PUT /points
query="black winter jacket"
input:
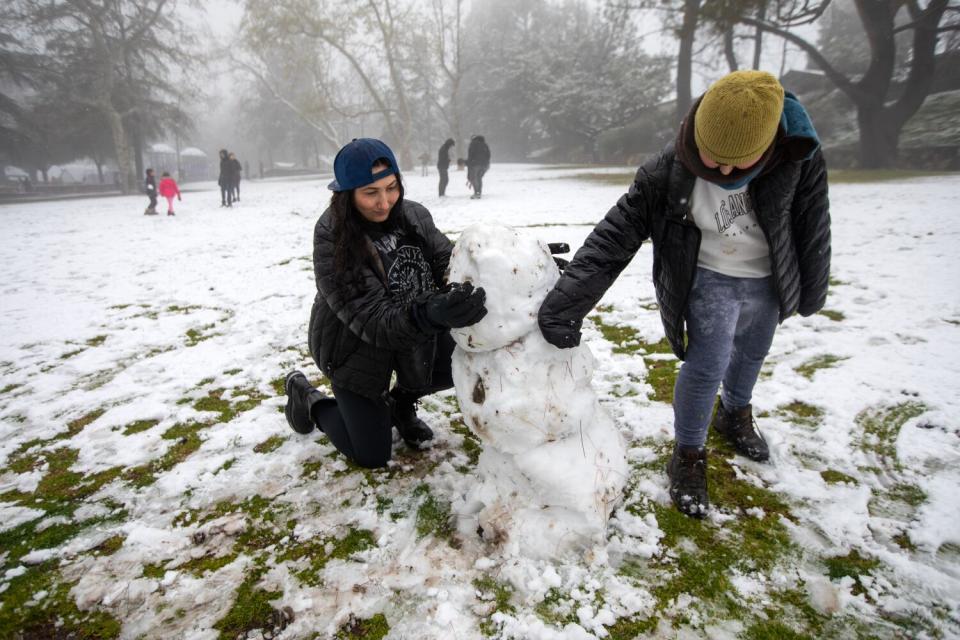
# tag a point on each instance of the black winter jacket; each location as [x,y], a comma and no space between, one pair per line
[360,335]
[791,204]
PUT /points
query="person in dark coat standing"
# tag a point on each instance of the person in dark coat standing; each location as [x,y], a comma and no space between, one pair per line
[738,213]
[235,170]
[478,161]
[381,308]
[226,179]
[443,165]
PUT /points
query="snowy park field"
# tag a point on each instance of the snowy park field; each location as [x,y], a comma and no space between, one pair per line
[151,488]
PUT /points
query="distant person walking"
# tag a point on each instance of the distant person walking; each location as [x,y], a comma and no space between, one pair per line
[443,165]
[478,161]
[150,186]
[225,180]
[236,169]
[169,190]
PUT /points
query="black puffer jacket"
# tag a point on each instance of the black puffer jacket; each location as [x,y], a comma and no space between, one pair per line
[360,335]
[791,204]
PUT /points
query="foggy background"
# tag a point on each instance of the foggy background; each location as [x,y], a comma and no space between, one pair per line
[92,92]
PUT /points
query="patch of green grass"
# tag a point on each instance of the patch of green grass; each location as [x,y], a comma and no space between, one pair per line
[76,426]
[489,589]
[206,564]
[55,615]
[187,441]
[154,570]
[70,354]
[139,426]
[215,402]
[624,179]
[251,609]
[811,366]
[853,565]
[174,308]
[661,372]
[197,335]
[626,338]
[770,630]
[699,555]
[472,446]
[226,465]
[832,476]
[109,546]
[836,316]
[10,387]
[850,176]
[632,628]
[556,609]
[908,494]
[96,341]
[881,425]
[270,444]
[373,628]
[434,517]
[801,413]
[904,542]
[310,468]
[232,372]
[319,551]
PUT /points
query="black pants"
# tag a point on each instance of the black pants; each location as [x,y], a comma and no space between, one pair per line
[477,179]
[444,179]
[153,200]
[361,428]
[226,196]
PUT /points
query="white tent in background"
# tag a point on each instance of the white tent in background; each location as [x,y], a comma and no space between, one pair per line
[194,164]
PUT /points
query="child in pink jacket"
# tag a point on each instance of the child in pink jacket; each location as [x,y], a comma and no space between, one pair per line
[168,189]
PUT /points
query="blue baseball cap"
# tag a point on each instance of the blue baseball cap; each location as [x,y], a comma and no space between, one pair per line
[353,165]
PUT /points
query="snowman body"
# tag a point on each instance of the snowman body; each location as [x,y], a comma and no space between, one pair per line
[553,463]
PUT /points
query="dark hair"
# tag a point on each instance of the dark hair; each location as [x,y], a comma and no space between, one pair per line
[349,239]
[148,170]
[165,174]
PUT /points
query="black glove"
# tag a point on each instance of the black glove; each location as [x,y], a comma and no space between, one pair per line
[456,305]
[561,332]
[559,247]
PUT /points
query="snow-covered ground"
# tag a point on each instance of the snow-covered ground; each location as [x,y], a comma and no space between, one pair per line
[150,485]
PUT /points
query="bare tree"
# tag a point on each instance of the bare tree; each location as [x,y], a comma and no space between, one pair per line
[879,117]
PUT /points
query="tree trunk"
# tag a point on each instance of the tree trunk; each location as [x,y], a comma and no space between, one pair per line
[122,147]
[879,137]
[758,37]
[688,30]
[728,49]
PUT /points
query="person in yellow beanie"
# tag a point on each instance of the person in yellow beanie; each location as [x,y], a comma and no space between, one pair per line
[737,210]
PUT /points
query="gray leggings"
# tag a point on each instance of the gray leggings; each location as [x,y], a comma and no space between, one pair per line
[730,327]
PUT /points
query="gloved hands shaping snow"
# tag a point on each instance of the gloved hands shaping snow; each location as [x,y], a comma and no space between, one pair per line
[456,305]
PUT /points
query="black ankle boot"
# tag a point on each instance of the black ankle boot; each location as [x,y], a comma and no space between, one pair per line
[687,471]
[301,397]
[739,429]
[403,411]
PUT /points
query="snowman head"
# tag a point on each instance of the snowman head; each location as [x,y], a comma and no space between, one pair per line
[516,270]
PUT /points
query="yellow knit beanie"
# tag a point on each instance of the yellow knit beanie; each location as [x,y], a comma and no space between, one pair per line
[738,116]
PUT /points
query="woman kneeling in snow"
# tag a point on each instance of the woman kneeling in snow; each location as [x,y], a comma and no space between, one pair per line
[381,307]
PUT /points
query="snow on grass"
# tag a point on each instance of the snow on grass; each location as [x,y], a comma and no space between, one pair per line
[150,487]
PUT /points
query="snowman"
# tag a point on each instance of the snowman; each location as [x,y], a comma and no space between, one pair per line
[553,463]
